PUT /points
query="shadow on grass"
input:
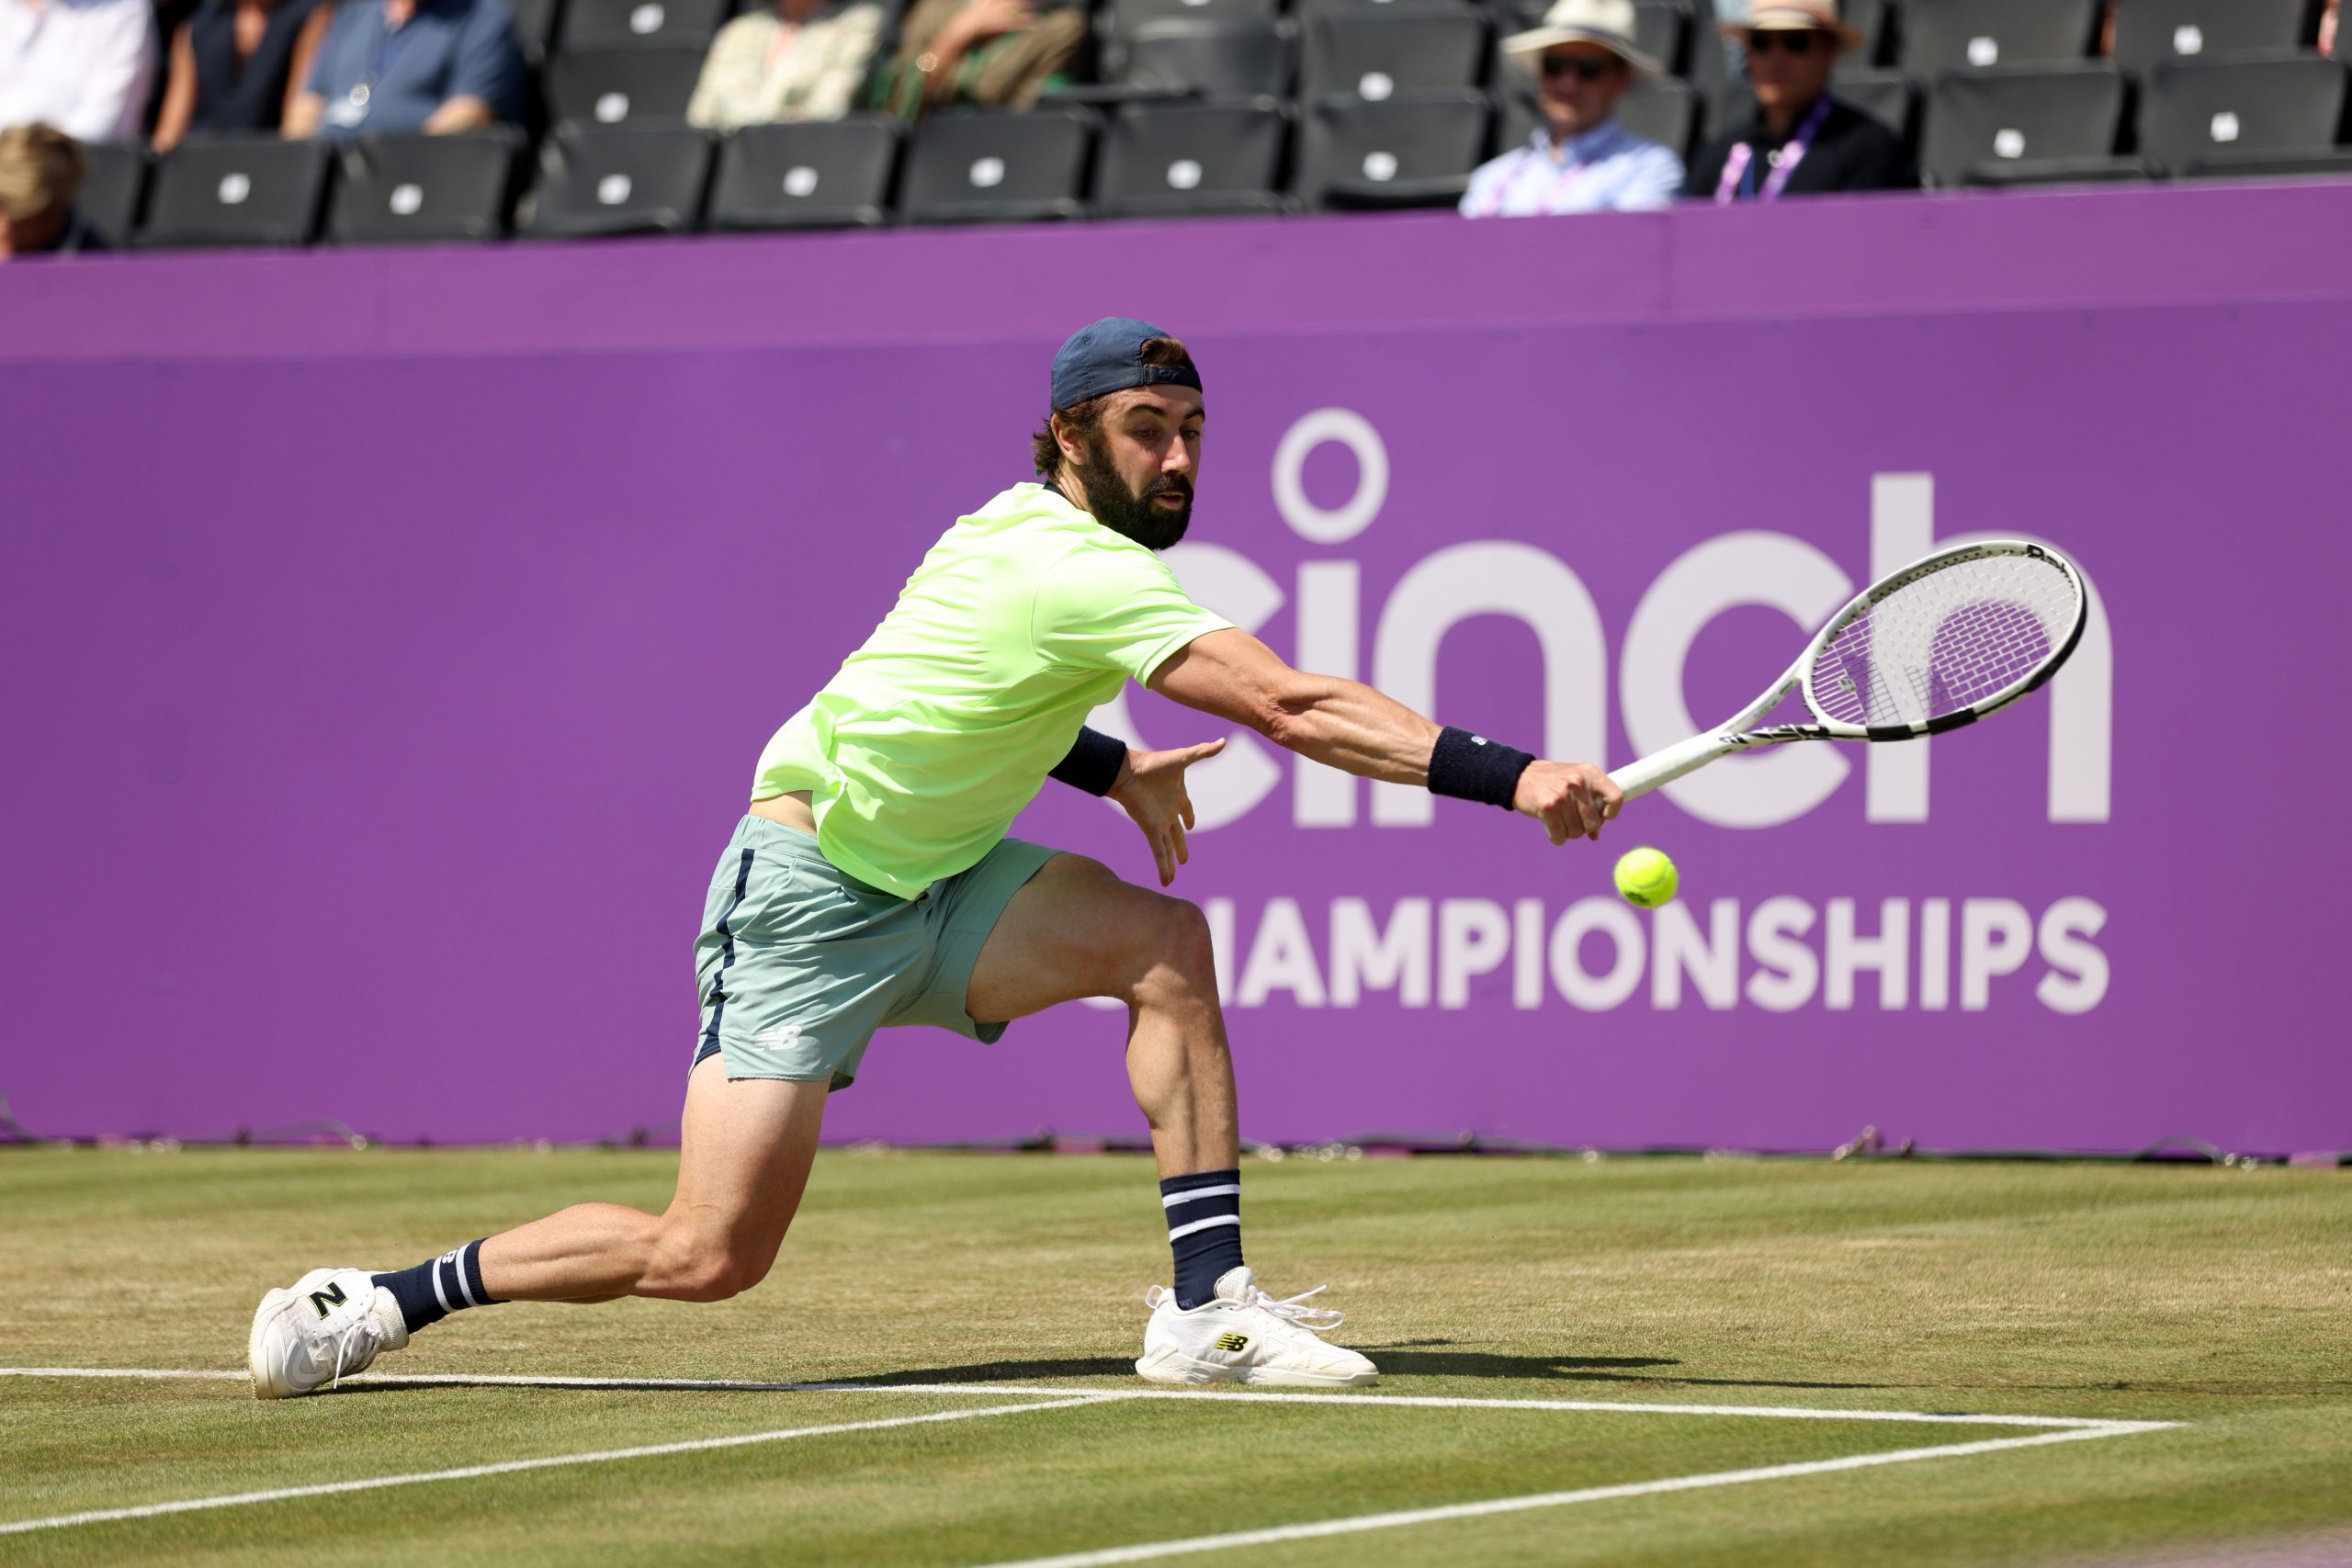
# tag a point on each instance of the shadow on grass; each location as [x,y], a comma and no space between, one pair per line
[1409,1359]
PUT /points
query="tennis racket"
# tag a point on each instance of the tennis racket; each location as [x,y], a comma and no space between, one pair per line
[1954,636]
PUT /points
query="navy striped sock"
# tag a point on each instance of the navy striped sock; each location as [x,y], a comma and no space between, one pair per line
[432,1291]
[1204,1229]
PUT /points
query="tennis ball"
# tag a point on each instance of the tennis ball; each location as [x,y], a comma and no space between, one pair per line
[1646,877]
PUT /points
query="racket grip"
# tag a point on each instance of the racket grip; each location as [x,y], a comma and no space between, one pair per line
[1638,778]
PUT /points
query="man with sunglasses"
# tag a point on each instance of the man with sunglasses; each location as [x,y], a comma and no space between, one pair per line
[1802,141]
[1579,159]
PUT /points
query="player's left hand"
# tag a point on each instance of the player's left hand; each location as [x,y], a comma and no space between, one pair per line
[1151,790]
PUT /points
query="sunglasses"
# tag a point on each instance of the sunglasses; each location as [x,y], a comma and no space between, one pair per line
[1581,69]
[1785,42]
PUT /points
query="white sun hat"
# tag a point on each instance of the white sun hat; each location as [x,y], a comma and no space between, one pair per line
[1608,23]
[1794,16]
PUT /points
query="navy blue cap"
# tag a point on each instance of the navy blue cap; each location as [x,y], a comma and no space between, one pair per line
[1107,356]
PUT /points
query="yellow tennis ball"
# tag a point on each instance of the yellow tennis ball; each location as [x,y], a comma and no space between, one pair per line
[1646,877]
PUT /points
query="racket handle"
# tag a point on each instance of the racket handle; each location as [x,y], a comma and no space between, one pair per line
[1639,778]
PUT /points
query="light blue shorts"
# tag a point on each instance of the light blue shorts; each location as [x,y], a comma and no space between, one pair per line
[799,962]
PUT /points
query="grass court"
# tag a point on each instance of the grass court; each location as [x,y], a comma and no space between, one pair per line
[1633,1361]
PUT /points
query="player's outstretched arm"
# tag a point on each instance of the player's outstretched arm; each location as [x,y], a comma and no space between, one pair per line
[1349,726]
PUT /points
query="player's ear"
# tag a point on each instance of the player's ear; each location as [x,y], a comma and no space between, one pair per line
[1073,450]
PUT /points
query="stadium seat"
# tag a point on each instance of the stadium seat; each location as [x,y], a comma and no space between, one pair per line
[979,166]
[1227,56]
[1415,46]
[390,189]
[1180,160]
[1665,111]
[243,190]
[2150,30]
[1887,96]
[815,174]
[108,200]
[1125,16]
[2017,117]
[619,179]
[2240,116]
[1950,35]
[613,86]
[534,22]
[597,24]
[1415,151]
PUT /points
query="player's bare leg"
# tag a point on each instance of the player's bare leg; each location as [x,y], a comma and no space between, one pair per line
[1077,931]
[746,1150]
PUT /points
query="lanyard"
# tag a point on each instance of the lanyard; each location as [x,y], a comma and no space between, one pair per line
[391,44]
[1740,164]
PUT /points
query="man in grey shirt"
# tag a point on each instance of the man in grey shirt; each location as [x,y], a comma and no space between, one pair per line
[440,66]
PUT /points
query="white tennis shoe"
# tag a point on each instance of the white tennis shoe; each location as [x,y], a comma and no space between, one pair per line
[334,1322]
[1243,1334]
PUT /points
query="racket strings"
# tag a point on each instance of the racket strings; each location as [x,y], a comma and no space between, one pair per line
[1943,642]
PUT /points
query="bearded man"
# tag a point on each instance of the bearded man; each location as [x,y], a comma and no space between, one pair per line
[871,884]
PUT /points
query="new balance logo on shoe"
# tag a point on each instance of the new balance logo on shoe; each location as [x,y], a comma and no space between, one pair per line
[326,1301]
[1237,1343]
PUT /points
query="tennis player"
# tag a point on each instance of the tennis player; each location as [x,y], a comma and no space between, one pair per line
[872,883]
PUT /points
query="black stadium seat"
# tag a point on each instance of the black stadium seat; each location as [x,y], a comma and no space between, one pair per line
[1225,56]
[108,200]
[980,167]
[1173,160]
[814,174]
[1126,15]
[2150,30]
[2017,123]
[244,190]
[1415,151]
[596,24]
[1415,46]
[2246,115]
[390,189]
[613,86]
[1887,96]
[535,23]
[621,179]
[1950,35]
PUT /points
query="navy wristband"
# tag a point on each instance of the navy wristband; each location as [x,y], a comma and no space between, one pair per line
[1093,763]
[1471,767]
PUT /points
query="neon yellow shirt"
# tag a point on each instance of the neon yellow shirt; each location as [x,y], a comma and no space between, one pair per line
[1023,616]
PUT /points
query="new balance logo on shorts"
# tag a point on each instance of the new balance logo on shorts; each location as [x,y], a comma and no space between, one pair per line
[1236,1343]
[326,1301]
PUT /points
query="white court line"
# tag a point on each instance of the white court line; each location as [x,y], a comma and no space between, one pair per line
[2067,1428]
[1422,1402]
[1360,1522]
[468,1473]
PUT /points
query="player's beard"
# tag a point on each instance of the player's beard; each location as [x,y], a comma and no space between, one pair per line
[1122,510]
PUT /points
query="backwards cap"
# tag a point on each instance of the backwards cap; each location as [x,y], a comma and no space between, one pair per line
[1107,356]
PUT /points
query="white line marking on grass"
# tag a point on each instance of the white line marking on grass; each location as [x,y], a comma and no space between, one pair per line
[1361,1522]
[1411,1401]
[468,1473]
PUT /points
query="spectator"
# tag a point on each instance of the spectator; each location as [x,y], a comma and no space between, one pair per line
[239,65]
[41,168]
[984,53]
[1802,141]
[1579,159]
[440,66]
[2329,20]
[795,60]
[82,67]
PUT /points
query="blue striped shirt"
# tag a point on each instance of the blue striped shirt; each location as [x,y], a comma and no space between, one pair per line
[1608,169]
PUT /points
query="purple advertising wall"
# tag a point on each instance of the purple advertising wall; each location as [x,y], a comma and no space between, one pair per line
[390,637]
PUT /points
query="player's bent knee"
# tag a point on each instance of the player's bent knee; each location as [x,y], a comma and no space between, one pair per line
[1179,960]
[708,1269]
